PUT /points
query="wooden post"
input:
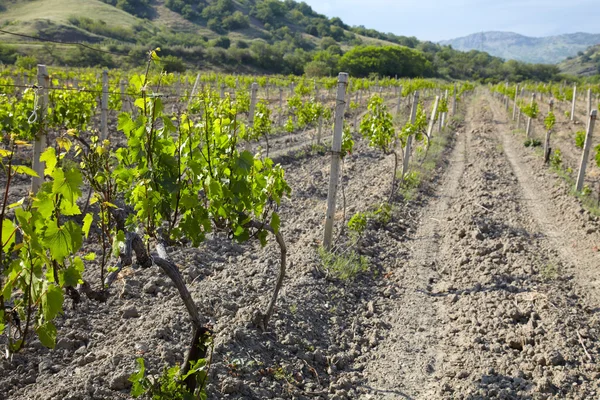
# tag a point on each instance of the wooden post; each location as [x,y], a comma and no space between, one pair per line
[320,128]
[253,91]
[443,124]
[407,149]
[336,148]
[104,109]
[432,120]
[194,88]
[548,133]
[529,121]
[453,102]
[515,102]
[356,113]
[586,149]
[222,91]
[40,141]
[573,103]
[122,87]
[589,101]
[399,100]
[281,107]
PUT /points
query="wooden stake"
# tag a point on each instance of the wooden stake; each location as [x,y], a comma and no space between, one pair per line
[336,148]
[573,103]
[104,109]
[320,128]
[586,150]
[548,133]
[515,105]
[432,120]
[529,122]
[253,91]
[122,86]
[453,102]
[443,122]
[40,141]
[194,88]
[407,149]
[399,100]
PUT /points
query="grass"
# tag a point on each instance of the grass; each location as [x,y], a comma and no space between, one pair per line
[344,265]
[421,168]
[549,272]
[586,198]
[59,12]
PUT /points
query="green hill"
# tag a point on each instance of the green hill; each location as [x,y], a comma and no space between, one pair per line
[264,36]
[512,46]
[586,63]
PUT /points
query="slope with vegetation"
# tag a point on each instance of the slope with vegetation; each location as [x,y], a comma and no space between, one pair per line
[512,46]
[586,63]
[268,36]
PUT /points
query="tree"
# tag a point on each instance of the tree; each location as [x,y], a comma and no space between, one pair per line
[8,54]
[172,64]
[386,61]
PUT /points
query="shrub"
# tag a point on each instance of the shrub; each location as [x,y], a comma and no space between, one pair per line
[345,265]
[172,64]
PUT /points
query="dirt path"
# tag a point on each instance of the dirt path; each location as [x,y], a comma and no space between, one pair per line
[490,309]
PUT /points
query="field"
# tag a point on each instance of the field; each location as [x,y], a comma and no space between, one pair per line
[471,276]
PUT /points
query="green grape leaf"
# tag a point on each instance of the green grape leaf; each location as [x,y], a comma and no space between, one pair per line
[57,240]
[67,182]
[49,157]
[21,169]
[52,302]
[47,334]
[72,276]
[275,222]
[246,161]
[137,389]
[87,223]
[8,234]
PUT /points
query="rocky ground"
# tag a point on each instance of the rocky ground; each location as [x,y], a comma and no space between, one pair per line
[480,286]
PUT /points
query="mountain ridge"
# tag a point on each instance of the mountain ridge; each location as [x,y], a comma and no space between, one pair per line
[514,46]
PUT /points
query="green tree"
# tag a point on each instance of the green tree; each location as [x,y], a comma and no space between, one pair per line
[386,61]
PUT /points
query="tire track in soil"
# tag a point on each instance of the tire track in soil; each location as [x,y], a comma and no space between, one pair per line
[484,314]
[414,356]
[569,239]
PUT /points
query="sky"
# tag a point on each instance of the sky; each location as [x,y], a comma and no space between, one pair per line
[447,19]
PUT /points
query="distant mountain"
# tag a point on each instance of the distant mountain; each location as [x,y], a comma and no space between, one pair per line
[586,63]
[512,46]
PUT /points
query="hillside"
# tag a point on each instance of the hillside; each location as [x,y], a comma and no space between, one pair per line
[512,46]
[264,36]
[586,63]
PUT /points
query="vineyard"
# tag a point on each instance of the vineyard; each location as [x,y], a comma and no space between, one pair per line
[175,236]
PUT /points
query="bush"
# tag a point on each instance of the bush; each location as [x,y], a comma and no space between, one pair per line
[172,64]
[222,42]
[236,21]
[8,54]
[316,69]
[27,62]
[386,61]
